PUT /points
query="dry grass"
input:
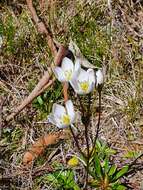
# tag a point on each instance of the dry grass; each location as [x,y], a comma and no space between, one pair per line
[109,33]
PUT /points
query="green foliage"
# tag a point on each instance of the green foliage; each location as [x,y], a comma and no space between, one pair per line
[132,154]
[88,31]
[12,135]
[100,42]
[11,140]
[45,101]
[9,31]
[60,180]
[105,173]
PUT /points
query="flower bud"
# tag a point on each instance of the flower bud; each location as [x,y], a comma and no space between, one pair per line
[99,78]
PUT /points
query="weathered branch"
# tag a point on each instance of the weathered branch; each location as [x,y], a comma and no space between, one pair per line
[41,27]
[46,80]
[44,83]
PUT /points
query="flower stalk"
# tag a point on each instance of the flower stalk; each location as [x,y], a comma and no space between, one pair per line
[98,124]
[83,82]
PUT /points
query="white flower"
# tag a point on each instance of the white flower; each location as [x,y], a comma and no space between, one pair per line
[62,116]
[99,77]
[84,83]
[67,71]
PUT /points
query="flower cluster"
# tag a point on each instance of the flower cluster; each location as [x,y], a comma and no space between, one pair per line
[82,81]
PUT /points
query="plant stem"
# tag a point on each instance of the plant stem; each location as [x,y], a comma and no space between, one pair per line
[76,142]
[65,91]
[86,124]
[98,124]
[87,172]
[88,156]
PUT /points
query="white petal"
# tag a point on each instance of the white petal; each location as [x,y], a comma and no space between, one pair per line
[83,76]
[59,74]
[77,68]
[99,77]
[58,111]
[59,124]
[91,79]
[81,92]
[91,87]
[70,110]
[91,75]
[62,126]
[67,64]
[74,85]
[51,119]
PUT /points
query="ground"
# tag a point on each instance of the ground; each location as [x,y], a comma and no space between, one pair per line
[108,33]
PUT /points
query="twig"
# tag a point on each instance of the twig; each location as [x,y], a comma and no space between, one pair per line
[41,86]
[41,27]
[44,82]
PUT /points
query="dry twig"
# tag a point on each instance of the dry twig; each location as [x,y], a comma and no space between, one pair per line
[46,80]
[44,83]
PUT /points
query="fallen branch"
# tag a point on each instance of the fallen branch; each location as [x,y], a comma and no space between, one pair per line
[41,27]
[46,80]
[43,84]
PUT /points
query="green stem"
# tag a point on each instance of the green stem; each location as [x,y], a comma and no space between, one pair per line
[87,172]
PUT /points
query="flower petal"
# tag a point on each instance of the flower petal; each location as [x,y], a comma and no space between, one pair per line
[91,87]
[91,75]
[99,77]
[58,111]
[59,124]
[51,119]
[83,76]
[77,68]
[91,79]
[59,74]
[74,84]
[67,64]
[70,110]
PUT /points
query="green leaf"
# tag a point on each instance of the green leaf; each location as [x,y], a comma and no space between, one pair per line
[51,177]
[121,187]
[112,170]
[94,183]
[106,164]
[117,186]
[98,145]
[121,172]
[110,151]
[40,101]
[98,168]
[132,154]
